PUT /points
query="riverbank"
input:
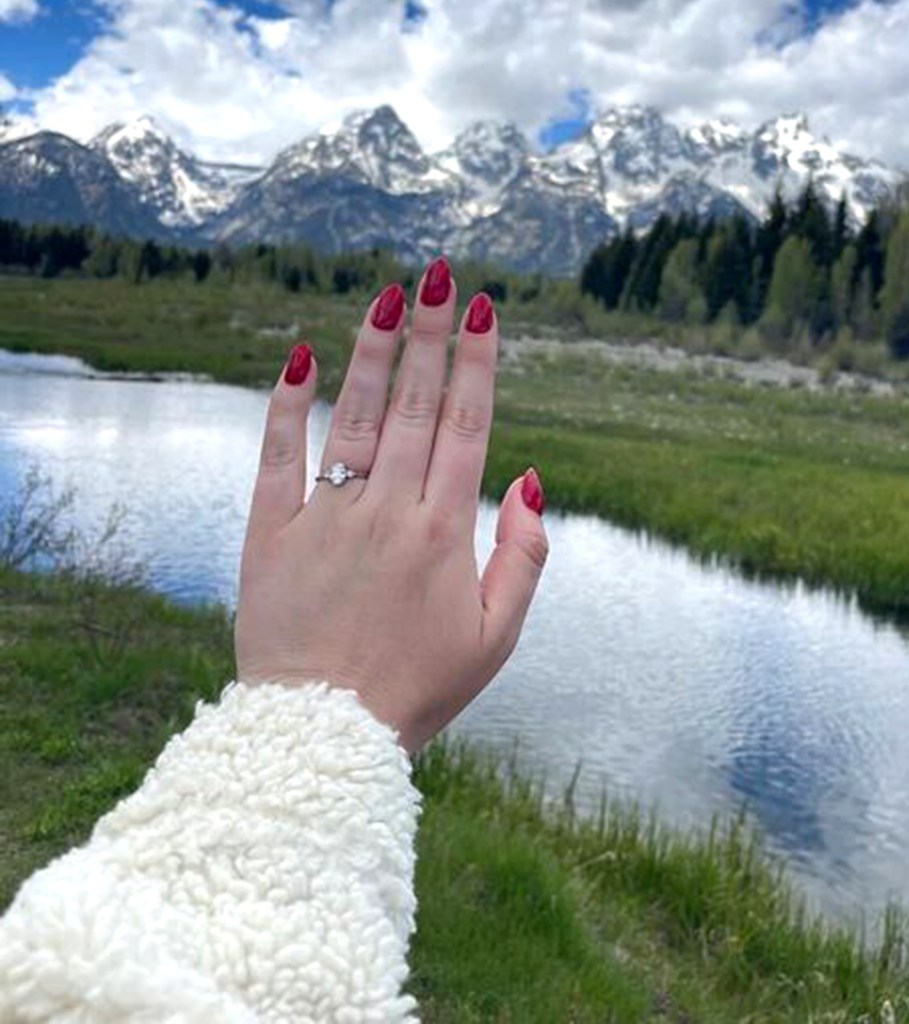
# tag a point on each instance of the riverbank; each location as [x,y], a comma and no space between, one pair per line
[780,481]
[614,920]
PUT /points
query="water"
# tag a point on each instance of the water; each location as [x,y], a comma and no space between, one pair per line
[677,685]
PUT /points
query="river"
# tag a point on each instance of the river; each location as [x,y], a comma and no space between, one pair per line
[674,684]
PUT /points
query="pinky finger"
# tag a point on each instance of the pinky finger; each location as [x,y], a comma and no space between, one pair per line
[514,568]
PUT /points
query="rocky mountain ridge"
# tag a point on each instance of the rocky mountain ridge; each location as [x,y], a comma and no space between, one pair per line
[490,195]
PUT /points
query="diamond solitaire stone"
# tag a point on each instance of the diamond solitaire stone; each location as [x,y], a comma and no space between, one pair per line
[338,474]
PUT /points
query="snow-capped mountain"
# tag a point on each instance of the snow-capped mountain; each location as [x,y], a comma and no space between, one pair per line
[366,184]
[485,159]
[183,192]
[372,148]
[47,178]
[489,196]
[641,164]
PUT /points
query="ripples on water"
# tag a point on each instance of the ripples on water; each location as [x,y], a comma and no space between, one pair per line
[676,685]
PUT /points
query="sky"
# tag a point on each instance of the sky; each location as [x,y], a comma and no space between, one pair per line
[241,79]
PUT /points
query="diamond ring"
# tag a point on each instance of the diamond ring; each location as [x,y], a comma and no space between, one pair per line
[338,474]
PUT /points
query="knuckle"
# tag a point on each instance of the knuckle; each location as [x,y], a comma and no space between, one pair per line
[536,549]
[503,639]
[384,527]
[415,407]
[280,449]
[372,351]
[467,421]
[441,527]
[353,426]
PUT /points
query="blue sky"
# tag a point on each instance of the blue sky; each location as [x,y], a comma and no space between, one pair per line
[550,74]
[34,53]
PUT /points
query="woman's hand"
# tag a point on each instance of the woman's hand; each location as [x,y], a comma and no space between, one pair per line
[373,585]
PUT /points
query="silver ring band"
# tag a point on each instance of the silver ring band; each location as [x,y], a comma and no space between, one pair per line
[338,474]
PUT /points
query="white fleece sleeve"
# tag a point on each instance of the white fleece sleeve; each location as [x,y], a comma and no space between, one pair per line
[262,873]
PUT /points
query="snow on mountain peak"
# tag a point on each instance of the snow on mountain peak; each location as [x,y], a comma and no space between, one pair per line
[183,191]
[485,158]
[490,195]
[372,147]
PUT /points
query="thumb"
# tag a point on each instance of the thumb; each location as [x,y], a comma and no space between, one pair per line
[513,571]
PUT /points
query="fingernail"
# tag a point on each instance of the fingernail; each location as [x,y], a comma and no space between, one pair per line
[532,492]
[387,313]
[437,283]
[480,315]
[298,365]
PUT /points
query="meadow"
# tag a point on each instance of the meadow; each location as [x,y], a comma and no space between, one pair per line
[526,913]
[782,482]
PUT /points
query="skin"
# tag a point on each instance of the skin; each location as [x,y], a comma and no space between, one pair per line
[374,586]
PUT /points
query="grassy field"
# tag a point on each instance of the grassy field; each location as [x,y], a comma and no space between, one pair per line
[779,482]
[524,916]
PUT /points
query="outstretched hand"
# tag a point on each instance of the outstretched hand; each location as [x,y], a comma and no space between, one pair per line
[374,585]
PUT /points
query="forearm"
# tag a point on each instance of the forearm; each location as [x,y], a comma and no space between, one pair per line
[263,872]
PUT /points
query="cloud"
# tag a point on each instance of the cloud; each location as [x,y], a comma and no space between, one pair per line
[236,85]
[18,10]
[7,89]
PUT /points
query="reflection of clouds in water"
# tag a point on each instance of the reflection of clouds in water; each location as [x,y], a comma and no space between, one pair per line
[781,789]
[675,685]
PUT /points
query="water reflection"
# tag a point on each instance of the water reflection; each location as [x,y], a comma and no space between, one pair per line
[676,685]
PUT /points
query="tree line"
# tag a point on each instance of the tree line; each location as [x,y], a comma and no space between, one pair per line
[52,251]
[803,275]
[802,272]
[55,251]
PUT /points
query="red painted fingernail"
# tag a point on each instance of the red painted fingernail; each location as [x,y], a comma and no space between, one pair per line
[437,283]
[387,314]
[299,365]
[480,315]
[532,492]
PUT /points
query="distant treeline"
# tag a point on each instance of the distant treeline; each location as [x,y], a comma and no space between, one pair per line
[54,251]
[799,280]
[802,272]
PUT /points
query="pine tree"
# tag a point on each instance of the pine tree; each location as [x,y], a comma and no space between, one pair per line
[840,227]
[728,270]
[870,247]
[679,287]
[606,271]
[811,221]
[841,287]
[864,318]
[793,293]
[895,294]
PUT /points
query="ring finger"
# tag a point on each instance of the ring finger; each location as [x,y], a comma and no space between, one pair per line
[357,417]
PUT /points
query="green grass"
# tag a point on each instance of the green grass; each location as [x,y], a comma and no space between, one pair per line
[780,483]
[525,916]
[238,335]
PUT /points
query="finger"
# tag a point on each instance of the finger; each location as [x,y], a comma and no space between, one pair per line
[357,417]
[513,571]
[407,435]
[280,486]
[462,438]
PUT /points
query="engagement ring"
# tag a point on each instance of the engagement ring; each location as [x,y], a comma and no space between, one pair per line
[338,474]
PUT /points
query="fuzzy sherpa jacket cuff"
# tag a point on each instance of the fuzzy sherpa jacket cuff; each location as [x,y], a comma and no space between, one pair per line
[263,872]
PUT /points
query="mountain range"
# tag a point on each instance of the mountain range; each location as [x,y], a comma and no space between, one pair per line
[490,195]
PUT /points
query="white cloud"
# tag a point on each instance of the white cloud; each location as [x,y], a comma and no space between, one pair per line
[18,10]
[240,87]
[7,89]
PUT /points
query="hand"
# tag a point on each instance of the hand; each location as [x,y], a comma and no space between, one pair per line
[373,586]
